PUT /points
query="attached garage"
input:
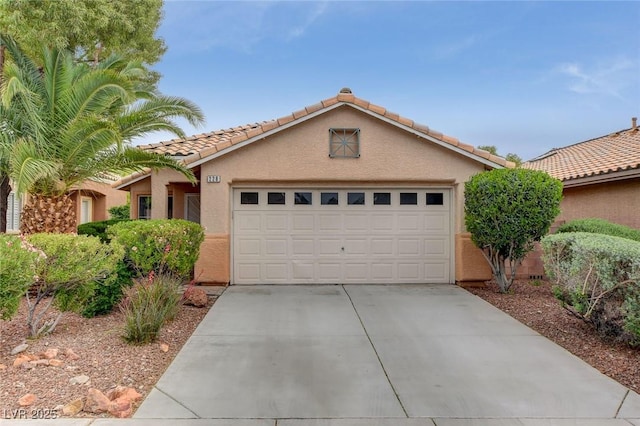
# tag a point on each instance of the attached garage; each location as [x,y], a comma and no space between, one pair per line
[342,191]
[341,235]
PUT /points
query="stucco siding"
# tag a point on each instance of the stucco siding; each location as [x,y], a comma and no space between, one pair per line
[388,155]
[617,202]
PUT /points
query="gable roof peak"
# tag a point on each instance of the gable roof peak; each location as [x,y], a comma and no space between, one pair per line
[196,148]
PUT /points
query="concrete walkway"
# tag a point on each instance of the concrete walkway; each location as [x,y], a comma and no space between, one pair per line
[374,356]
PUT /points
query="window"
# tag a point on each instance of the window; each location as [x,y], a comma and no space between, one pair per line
[344,143]
[382,198]
[248,198]
[276,198]
[144,206]
[86,209]
[355,198]
[408,198]
[329,198]
[303,198]
[435,198]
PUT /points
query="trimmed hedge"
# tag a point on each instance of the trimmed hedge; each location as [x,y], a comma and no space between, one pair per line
[600,226]
[68,271]
[98,229]
[17,273]
[598,277]
[165,246]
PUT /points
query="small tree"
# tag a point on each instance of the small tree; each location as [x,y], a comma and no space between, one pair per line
[66,275]
[506,211]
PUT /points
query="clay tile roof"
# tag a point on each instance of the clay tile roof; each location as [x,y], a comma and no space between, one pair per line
[618,151]
[197,145]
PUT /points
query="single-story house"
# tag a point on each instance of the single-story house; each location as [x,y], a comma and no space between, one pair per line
[93,199]
[600,177]
[342,191]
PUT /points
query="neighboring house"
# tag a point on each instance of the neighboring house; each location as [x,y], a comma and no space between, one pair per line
[343,191]
[93,199]
[601,177]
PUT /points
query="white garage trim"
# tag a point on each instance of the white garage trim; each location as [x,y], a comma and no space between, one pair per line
[348,242]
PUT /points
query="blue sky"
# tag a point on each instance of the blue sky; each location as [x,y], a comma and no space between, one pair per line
[523,76]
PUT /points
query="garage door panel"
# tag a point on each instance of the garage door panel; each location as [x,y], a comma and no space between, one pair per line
[382,272]
[303,222]
[409,246]
[303,271]
[249,272]
[329,246]
[248,221]
[277,222]
[302,247]
[381,246]
[435,272]
[249,246]
[409,222]
[343,243]
[329,222]
[436,247]
[329,271]
[276,247]
[382,222]
[436,223]
[356,223]
[356,247]
[276,272]
[409,271]
[355,271]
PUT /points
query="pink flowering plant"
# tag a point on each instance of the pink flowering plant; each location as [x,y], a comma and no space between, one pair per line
[165,246]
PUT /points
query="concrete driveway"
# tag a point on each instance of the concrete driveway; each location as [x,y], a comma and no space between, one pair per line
[376,355]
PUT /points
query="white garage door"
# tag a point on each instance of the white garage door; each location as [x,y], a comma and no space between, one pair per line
[284,236]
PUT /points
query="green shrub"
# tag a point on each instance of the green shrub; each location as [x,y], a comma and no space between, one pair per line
[148,305]
[67,274]
[600,226]
[598,276]
[17,272]
[108,291]
[98,229]
[506,211]
[120,212]
[165,246]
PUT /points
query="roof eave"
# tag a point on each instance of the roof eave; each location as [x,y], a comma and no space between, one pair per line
[602,178]
[127,181]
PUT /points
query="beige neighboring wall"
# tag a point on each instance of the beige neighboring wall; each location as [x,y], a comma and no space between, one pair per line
[104,197]
[617,201]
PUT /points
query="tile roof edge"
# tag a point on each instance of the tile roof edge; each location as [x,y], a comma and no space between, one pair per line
[341,99]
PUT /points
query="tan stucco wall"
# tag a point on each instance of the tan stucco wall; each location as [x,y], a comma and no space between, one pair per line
[299,155]
[617,201]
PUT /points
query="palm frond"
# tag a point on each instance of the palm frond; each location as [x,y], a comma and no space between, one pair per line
[29,170]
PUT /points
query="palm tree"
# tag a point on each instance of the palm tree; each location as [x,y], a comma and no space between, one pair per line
[73,122]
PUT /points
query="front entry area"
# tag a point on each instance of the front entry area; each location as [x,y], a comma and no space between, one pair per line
[341,235]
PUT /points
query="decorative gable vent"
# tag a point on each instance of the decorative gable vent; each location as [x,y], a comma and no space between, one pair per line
[344,143]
